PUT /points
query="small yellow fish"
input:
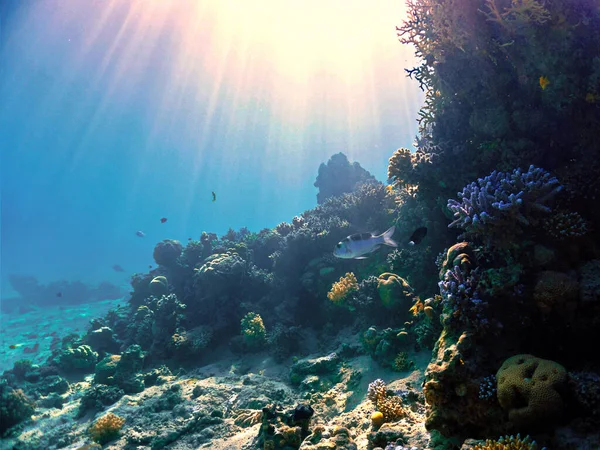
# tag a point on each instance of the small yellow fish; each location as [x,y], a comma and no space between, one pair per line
[389,188]
[544,82]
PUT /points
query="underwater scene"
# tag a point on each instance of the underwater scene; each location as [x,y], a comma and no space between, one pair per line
[316,225]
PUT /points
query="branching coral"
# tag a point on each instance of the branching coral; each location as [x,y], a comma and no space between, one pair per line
[564,225]
[520,14]
[106,428]
[385,402]
[400,167]
[499,206]
[341,289]
[253,330]
[508,443]
[461,298]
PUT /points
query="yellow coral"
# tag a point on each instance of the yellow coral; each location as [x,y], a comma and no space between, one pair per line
[508,443]
[106,428]
[253,329]
[340,289]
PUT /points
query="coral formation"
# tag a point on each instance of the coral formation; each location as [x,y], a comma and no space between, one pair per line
[384,401]
[15,407]
[507,443]
[531,390]
[341,289]
[167,252]
[253,330]
[394,291]
[338,176]
[106,428]
[498,206]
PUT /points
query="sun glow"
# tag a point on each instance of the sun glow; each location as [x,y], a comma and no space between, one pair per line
[292,51]
[315,72]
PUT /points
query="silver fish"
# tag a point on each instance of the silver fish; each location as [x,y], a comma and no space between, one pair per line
[357,245]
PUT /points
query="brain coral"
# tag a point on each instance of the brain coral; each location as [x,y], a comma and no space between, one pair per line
[529,389]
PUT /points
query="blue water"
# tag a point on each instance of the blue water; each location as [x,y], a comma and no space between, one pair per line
[96,144]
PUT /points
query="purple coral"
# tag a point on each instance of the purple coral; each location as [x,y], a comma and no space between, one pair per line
[460,292]
[501,204]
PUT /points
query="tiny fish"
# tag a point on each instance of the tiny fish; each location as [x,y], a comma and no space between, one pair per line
[544,82]
[360,244]
[59,294]
[140,233]
[189,239]
[163,220]
[118,268]
[13,346]
[418,236]
[150,266]
[214,196]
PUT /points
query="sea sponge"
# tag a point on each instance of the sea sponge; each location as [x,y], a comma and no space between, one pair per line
[377,419]
[529,389]
[106,428]
[340,289]
[394,290]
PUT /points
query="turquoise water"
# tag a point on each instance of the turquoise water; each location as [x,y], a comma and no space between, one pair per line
[114,116]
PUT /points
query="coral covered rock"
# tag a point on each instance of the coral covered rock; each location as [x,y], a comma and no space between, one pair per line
[15,407]
[531,390]
[555,292]
[106,428]
[167,252]
[394,291]
[338,176]
[159,286]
